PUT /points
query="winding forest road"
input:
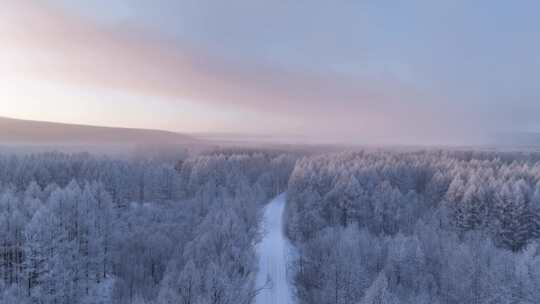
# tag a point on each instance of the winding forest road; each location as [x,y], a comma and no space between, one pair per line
[274,251]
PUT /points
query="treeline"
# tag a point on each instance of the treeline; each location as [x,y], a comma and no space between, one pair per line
[418,227]
[85,229]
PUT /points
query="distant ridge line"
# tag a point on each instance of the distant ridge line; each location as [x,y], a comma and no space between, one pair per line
[30,131]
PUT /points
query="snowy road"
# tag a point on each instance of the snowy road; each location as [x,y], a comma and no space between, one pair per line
[273,252]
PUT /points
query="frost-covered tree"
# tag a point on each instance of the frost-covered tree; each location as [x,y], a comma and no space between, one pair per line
[432,227]
[77,228]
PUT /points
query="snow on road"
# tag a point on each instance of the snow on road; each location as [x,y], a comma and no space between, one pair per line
[274,251]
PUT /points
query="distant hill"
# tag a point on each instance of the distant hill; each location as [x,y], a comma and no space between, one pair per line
[17,131]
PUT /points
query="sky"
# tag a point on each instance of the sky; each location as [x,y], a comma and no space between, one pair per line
[417,71]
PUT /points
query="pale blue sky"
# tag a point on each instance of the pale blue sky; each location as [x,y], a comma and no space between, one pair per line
[399,70]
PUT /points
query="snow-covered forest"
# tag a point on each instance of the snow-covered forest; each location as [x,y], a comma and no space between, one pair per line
[368,227]
[423,227]
[269,152]
[84,229]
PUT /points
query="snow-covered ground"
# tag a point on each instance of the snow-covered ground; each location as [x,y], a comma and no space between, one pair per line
[274,252]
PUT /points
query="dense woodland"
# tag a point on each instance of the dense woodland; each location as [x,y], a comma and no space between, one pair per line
[369,227]
[423,227]
[84,229]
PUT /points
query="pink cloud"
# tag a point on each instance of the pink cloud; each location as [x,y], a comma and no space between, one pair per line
[65,48]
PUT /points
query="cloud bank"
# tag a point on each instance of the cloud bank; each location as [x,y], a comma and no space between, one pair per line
[46,42]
